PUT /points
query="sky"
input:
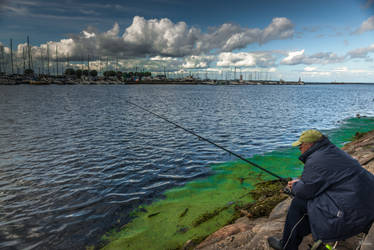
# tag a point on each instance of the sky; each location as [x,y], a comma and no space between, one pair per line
[319,41]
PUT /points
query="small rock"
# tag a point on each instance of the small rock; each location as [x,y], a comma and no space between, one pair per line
[188,245]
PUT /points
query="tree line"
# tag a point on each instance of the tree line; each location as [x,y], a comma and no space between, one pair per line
[111,73]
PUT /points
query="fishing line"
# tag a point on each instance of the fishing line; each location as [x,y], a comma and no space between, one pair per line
[209,141]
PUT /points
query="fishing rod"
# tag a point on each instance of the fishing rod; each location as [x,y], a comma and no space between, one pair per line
[209,141]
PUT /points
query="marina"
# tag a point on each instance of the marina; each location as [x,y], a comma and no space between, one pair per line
[43,68]
[63,80]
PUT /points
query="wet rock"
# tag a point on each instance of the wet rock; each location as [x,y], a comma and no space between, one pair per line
[362,149]
[368,242]
[225,232]
[370,167]
[248,233]
[280,210]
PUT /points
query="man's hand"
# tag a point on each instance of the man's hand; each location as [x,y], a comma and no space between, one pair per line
[290,183]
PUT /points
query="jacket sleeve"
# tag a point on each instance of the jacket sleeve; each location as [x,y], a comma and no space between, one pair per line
[312,182]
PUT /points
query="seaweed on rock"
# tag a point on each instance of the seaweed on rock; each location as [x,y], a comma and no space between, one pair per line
[266,196]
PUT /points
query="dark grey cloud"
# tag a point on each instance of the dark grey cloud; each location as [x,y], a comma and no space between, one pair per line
[369,4]
[65,9]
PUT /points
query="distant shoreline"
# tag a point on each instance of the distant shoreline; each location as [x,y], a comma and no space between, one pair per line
[63,81]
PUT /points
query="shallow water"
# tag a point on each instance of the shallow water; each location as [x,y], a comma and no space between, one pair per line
[76,160]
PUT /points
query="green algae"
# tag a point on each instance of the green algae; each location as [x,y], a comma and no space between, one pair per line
[209,215]
[184,213]
[347,131]
[267,189]
[202,206]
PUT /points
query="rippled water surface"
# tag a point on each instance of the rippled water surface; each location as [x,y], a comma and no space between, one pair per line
[75,160]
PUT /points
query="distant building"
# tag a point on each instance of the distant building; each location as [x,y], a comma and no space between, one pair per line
[160,77]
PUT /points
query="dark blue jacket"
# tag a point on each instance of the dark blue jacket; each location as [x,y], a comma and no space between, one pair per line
[340,192]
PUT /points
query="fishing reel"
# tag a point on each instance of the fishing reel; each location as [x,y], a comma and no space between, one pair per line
[287,191]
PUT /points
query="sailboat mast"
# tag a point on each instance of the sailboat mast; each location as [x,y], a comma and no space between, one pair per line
[1,60]
[48,59]
[24,59]
[56,62]
[107,62]
[41,59]
[82,62]
[99,65]
[11,54]
[28,51]
[32,63]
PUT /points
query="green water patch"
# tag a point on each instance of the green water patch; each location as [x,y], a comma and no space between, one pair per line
[202,206]
[351,129]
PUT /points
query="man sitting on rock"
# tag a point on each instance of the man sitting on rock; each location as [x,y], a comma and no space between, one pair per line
[334,198]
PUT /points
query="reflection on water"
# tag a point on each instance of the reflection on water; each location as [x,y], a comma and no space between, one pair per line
[75,160]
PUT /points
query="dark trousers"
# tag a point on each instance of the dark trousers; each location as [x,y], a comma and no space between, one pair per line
[297,224]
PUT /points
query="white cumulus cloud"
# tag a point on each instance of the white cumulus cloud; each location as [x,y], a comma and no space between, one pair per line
[161,58]
[367,25]
[280,28]
[160,37]
[361,52]
[229,37]
[310,69]
[245,59]
[299,57]
[164,38]
[197,62]
[293,57]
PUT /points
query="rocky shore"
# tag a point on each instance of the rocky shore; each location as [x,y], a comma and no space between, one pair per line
[252,233]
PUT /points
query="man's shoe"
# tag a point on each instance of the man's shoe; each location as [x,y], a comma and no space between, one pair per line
[275,243]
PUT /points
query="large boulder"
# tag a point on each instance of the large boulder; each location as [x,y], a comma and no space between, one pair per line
[251,234]
[248,233]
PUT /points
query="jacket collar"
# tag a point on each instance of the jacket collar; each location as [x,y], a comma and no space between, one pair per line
[316,146]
